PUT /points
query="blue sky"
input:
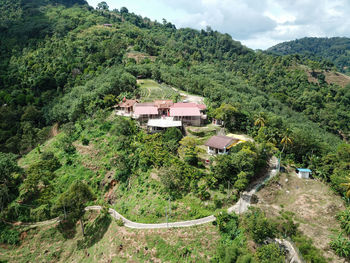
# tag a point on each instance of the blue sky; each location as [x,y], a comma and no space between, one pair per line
[258,24]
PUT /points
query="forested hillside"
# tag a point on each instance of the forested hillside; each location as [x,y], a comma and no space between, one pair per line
[333,50]
[64,63]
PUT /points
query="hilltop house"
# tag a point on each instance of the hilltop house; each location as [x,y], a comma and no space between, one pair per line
[189,113]
[145,111]
[184,113]
[220,144]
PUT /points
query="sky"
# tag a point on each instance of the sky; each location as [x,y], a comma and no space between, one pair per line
[258,24]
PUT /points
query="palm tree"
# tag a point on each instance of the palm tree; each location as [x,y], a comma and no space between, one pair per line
[260,120]
[286,141]
[347,185]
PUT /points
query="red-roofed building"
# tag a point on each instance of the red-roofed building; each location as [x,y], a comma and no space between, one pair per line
[188,115]
[144,113]
[201,107]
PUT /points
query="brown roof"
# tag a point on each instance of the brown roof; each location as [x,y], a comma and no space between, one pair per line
[219,141]
[127,103]
[164,104]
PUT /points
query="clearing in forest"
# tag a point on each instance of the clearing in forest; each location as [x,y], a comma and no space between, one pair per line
[152,90]
[313,203]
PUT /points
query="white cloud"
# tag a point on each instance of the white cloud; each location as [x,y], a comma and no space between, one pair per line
[256,23]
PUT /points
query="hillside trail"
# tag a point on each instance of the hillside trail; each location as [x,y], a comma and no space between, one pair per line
[54,130]
[240,207]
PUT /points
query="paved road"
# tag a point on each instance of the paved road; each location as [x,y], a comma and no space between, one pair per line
[131,224]
[240,207]
[243,202]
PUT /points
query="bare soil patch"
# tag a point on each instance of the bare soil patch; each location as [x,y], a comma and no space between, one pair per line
[314,204]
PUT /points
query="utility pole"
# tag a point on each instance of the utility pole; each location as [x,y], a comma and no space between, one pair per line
[228,189]
[169,207]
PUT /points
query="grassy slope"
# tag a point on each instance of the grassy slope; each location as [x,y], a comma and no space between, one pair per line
[313,203]
[115,244]
[151,90]
[142,200]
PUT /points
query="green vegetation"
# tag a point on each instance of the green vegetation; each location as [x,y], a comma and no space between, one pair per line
[60,66]
[104,240]
[328,51]
[256,227]
[150,90]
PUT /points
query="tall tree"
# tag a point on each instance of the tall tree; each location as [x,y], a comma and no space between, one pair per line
[285,142]
[8,180]
[260,120]
[102,6]
[72,202]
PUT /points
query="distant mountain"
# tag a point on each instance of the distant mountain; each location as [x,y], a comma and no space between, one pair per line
[335,50]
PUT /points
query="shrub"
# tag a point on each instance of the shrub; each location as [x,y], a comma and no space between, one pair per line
[8,235]
[120,222]
[344,219]
[259,226]
[286,226]
[85,141]
[172,134]
[270,253]
[309,252]
[217,202]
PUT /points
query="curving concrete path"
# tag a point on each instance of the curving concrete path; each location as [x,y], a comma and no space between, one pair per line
[240,207]
[132,224]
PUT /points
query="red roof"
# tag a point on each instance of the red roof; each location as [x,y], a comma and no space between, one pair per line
[189,105]
[127,103]
[201,106]
[219,141]
[189,111]
[146,110]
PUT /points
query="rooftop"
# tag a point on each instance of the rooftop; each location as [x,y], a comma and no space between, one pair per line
[219,141]
[193,111]
[163,103]
[189,105]
[304,170]
[146,110]
[164,123]
[127,103]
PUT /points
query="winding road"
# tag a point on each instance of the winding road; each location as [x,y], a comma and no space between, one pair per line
[240,207]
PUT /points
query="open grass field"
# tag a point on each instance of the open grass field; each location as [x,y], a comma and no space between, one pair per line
[313,203]
[151,90]
[105,241]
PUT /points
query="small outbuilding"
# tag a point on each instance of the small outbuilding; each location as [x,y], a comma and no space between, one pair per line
[220,144]
[303,173]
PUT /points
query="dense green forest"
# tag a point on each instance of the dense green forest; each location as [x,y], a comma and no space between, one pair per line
[60,64]
[335,50]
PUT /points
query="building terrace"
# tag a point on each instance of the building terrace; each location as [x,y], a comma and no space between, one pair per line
[184,113]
